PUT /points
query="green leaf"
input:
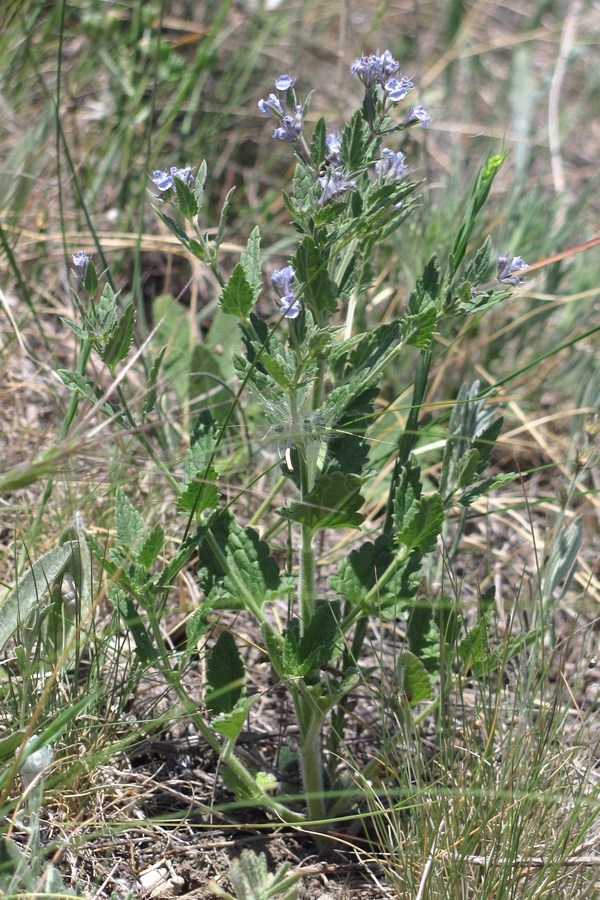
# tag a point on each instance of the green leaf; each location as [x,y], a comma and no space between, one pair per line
[237,297]
[199,494]
[418,520]
[354,142]
[76,382]
[304,654]
[150,396]
[151,547]
[250,262]
[333,503]
[413,679]
[186,198]
[196,627]
[251,880]
[478,196]
[90,279]
[304,190]
[229,724]
[226,675]
[427,289]
[360,571]
[173,226]
[468,497]
[318,145]
[310,266]
[423,636]
[559,567]
[30,589]
[123,603]
[242,573]
[131,528]
[223,218]
[199,184]
[119,340]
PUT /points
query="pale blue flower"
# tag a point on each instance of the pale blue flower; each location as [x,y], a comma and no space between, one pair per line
[397,88]
[417,114]
[375,68]
[334,183]
[334,148]
[272,104]
[284,82]
[393,166]
[508,266]
[282,280]
[290,128]
[80,259]
[164,180]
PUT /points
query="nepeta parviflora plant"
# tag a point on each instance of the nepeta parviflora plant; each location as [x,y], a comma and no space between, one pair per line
[317,380]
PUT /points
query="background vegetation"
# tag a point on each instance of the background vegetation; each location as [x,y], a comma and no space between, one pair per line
[95,96]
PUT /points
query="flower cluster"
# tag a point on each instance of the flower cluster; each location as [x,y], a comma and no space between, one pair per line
[333,183]
[508,266]
[282,280]
[290,127]
[164,180]
[381,70]
[393,166]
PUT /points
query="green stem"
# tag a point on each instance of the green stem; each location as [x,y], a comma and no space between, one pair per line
[310,720]
[225,751]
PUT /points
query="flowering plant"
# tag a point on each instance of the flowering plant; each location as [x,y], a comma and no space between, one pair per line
[317,380]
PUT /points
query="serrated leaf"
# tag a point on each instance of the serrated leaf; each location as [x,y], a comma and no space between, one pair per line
[423,636]
[186,198]
[426,292]
[80,332]
[244,571]
[119,340]
[230,724]
[418,520]
[124,604]
[130,526]
[318,144]
[333,503]
[90,279]
[151,547]
[354,142]
[468,497]
[250,262]
[199,494]
[237,297]
[413,679]
[196,627]
[359,572]
[76,382]
[150,396]
[303,654]
[304,190]
[226,675]
[310,266]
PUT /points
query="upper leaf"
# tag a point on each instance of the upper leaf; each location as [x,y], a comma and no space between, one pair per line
[242,572]
[333,503]
[237,297]
[226,675]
